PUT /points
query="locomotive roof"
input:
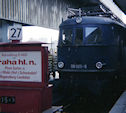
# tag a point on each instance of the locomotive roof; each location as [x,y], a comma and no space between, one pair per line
[90,20]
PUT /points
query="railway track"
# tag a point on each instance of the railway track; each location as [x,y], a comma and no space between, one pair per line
[86,103]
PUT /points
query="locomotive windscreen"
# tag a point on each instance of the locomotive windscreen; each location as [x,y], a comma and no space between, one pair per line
[79,36]
[93,35]
[67,35]
[88,35]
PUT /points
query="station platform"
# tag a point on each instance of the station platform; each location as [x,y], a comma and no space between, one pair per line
[120,105]
[54,109]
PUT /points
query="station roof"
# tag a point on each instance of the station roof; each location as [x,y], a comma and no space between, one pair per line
[44,13]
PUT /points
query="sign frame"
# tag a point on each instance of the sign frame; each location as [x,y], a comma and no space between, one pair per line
[44,65]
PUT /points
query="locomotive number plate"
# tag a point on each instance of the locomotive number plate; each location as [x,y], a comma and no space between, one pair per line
[7,100]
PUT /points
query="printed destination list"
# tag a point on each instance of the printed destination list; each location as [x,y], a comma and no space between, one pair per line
[24,66]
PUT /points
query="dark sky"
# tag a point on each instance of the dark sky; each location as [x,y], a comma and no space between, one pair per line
[121,4]
[81,3]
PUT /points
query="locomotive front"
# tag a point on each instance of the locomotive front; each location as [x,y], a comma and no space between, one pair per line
[91,55]
[89,46]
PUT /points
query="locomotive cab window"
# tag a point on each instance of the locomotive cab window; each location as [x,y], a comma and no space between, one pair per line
[67,35]
[93,35]
[79,36]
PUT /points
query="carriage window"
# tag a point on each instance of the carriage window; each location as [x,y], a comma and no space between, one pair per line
[93,35]
[79,36]
[67,36]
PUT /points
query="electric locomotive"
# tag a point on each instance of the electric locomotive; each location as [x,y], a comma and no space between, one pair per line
[91,53]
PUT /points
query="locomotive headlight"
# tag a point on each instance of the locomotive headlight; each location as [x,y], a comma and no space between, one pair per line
[60,64]
[99,65]
[78,20]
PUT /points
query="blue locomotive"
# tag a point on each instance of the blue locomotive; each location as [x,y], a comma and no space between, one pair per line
[91,52]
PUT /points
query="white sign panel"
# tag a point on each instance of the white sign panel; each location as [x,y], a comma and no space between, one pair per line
[24,66]
[15,32]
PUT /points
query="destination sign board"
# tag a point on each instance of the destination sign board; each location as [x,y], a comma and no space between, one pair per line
[23,66]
